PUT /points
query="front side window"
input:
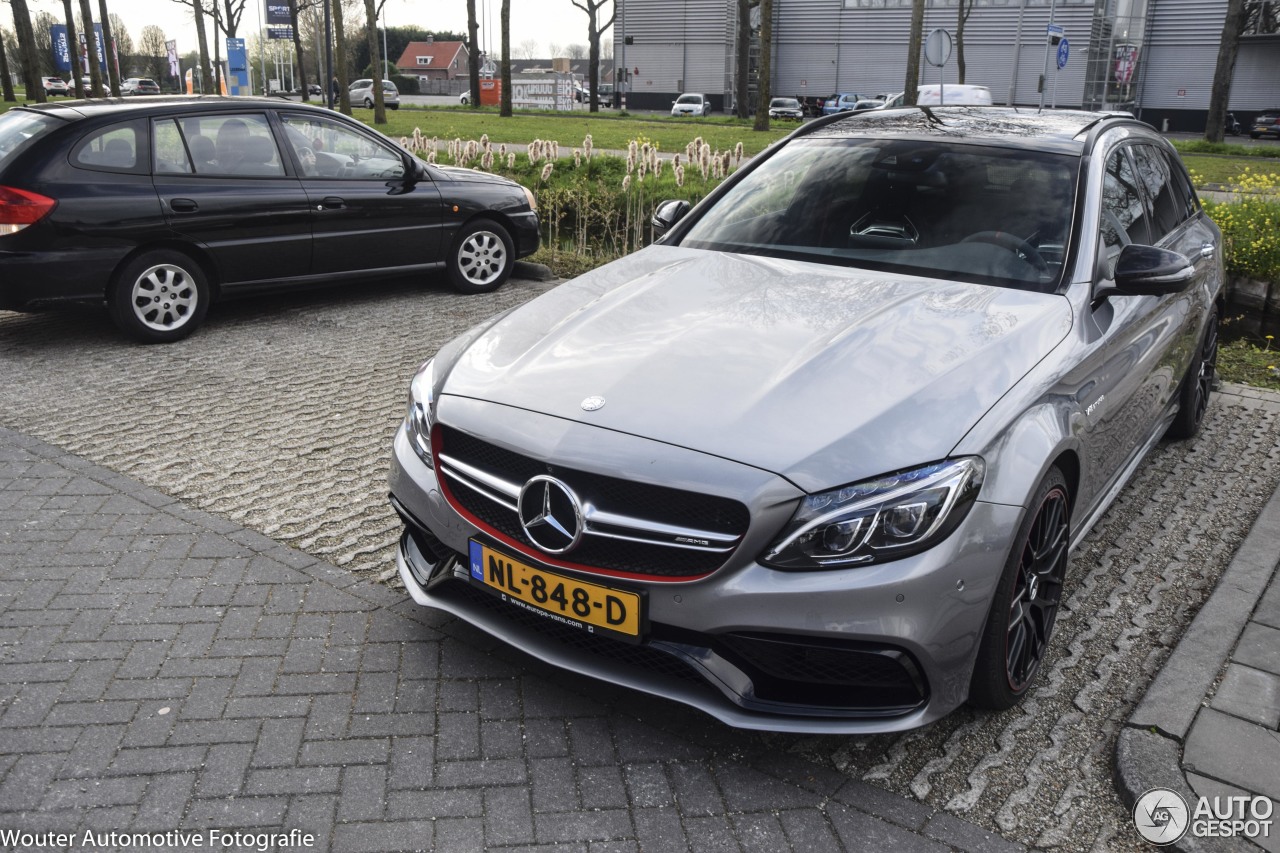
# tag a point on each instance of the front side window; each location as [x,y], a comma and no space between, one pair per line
[1123,219]
[329,149]
[961,212]
[1164,206]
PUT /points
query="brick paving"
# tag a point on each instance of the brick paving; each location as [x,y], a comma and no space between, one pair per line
[277,416]
[164,669]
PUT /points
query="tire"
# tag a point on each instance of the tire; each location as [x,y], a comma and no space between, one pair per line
[393,106]
[159,297]
[481,258]
[368,103]
[1197,385]
[1025,607]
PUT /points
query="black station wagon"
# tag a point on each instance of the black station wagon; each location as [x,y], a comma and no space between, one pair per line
[159,207]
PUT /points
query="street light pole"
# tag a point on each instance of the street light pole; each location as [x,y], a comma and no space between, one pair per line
[1044,78]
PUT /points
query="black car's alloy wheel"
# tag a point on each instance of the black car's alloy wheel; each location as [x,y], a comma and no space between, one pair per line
[482,257]
[1020,623]
[159,296]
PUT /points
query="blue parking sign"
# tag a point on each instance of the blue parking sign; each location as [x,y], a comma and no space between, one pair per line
[1064,51]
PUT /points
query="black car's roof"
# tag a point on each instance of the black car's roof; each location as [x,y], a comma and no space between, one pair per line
[94,107]
[1065,131]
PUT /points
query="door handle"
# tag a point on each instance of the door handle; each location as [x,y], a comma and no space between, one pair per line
[1206,250]
[332,202]
[183,205]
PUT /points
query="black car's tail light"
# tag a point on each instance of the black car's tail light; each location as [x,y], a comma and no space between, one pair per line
[20,208]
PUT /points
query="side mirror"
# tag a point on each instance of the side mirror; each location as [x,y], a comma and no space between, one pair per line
[1149,271]
[668,214]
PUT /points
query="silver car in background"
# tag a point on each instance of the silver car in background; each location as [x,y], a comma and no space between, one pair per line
[361,94]
[815,460]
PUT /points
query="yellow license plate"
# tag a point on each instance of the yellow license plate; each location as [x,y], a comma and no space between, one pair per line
[570,601]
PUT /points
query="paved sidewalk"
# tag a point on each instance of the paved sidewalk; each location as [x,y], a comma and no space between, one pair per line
[163,669]
[1208,724]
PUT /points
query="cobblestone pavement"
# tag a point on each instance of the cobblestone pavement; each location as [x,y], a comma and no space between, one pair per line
[278,415]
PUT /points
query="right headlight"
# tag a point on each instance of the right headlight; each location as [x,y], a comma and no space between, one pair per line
[421,415]
[877,520]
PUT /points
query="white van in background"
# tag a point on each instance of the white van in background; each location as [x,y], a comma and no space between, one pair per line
[956,94]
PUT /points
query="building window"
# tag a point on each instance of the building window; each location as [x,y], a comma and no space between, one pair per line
[425,60]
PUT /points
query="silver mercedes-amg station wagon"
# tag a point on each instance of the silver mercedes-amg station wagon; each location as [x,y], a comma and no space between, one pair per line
[814,461]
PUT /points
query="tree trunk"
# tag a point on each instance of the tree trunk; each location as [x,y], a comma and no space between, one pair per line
[6,82]
[961,17]
[912,82]
[505,24]
[109,42]
[371,30]
[340,61]
[27,45]
[73,50]
[217,50]
[297,49]
[473,54]
[1220,93]
[742,49]
[764,87]
[91,42]
[593,65]
[202,41]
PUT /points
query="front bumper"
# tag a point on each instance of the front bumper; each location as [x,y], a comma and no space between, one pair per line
[875,649]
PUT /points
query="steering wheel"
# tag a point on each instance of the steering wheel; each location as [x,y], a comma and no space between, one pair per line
[1014,244]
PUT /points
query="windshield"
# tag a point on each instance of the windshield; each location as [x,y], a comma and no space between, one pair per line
[944,210]
[784,102]
[689,99]
[19,128]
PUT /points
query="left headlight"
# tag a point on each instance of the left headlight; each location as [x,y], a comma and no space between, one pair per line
[878,520]
[421,413]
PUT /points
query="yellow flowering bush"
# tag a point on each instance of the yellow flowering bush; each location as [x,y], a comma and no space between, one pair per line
[1251,225]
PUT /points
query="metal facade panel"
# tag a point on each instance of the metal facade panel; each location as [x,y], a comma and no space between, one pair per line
[1255,85]
[1187,22]
[1175,69]
[660,66]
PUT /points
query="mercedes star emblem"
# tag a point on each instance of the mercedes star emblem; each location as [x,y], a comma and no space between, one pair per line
[550,514]
[592,403]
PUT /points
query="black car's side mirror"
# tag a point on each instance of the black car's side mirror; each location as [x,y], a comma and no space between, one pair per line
[1150,271]
[668,214]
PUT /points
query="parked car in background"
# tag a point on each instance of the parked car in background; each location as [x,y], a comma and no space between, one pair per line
[362,94]
[785,108]
[956,94]
[843,102]
[868,104]
[55,86]
[691,104]
[465,98]
[158,206]
[815,460]
[139,86]
[1266,124]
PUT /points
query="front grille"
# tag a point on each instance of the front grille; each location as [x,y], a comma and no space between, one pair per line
[645,510]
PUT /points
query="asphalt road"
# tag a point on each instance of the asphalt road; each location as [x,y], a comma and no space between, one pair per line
[278,414]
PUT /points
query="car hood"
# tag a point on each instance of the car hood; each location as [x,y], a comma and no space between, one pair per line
[458,173]
[822,374]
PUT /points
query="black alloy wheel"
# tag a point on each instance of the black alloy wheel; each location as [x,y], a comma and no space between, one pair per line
[1024,609]
[1197,384]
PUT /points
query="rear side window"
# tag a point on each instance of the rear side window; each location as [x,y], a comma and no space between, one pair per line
[20,129]
[118,148]
[237,144]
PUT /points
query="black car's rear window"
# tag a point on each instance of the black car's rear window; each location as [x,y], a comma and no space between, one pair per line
[935,208]
[19,129]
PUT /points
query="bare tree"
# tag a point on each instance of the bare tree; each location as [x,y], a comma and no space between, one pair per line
[91,41]
[742,47]
[340,59]
[963,9]
[911,85]
[528,49]
[198,12]
[229,16]
[1220,92]
[765,86]
[113,69]
[371,32]
[576,51]
[1261,17]
[6,82]
[473,54]
[595,26]
[73,50]
[152,48]
[297,49]
[120,32]
[27,44]
[505,29]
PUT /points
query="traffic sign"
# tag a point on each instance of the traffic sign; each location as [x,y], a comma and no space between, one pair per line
[1064,52]
[1054,30]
